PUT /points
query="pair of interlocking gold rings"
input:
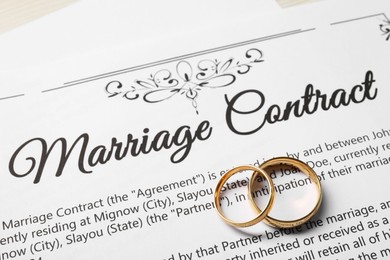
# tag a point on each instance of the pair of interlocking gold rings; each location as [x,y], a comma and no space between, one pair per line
[263,214]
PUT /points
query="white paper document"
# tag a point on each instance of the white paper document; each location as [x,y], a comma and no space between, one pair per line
[92,26]
[117,155]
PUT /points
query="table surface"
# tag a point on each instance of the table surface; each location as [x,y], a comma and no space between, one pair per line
[15,13]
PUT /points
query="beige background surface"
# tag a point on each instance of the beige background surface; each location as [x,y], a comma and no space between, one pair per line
[17,12]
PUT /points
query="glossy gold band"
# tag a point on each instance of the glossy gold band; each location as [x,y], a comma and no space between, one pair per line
[306,170]
[261,213]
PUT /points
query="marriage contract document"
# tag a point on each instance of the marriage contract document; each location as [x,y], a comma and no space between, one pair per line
[116,155]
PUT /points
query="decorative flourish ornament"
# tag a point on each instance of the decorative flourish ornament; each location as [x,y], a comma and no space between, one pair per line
[186,80]
[385,28]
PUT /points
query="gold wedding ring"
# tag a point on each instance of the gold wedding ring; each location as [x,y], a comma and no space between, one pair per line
[261,213]
[303,167]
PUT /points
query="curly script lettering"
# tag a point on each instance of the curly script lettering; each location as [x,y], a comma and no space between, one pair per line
[89,157]
[184,137]
[310,102]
